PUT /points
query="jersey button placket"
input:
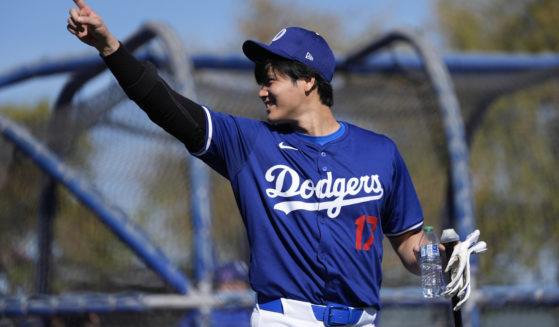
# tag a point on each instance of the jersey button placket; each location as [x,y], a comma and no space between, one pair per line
[323,249]
[323,164]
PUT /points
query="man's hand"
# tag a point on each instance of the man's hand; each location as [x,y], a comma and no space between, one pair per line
[459,267]
[90,29]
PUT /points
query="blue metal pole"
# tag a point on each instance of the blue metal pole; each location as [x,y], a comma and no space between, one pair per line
[111,216]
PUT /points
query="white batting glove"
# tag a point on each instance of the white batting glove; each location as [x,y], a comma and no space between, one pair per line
[459,267]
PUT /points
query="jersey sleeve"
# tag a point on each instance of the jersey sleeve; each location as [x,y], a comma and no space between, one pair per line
[229,141]
[403,209]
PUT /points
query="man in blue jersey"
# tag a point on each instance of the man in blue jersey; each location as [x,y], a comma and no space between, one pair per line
[317,195]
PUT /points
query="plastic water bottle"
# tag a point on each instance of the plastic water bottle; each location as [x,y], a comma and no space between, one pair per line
[432,282]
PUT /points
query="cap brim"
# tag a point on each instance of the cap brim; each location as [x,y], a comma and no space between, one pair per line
[258,52]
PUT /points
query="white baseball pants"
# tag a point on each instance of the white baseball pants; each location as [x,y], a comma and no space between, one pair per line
[300,314]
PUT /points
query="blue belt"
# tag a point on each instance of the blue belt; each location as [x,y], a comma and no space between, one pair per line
[331,314]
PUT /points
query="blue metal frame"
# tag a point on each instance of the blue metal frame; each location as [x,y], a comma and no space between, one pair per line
[458,63]
[110,215]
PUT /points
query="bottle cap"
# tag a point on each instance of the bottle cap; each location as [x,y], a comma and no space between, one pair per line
[428,228]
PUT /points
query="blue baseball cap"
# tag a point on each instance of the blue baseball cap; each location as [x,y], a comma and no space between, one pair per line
[298,44]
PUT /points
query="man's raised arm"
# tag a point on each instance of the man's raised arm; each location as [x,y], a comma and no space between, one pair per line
[179,116]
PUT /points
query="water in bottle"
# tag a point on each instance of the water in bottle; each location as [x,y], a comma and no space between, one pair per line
[432,282]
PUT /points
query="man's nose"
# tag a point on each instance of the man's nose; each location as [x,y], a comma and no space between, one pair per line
[263,92]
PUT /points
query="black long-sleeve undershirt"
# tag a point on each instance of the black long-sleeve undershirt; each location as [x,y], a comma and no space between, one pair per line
[179,116]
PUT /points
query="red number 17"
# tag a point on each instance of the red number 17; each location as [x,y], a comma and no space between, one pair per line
[360,222]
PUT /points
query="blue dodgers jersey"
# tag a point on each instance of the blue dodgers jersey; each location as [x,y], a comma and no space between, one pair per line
[315,215]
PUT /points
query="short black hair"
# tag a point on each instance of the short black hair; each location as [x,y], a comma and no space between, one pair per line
[294,70]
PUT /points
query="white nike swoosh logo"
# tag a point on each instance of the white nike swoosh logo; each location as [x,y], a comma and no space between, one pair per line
[286,147]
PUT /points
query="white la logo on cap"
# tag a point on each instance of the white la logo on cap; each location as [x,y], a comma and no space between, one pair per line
[279,35]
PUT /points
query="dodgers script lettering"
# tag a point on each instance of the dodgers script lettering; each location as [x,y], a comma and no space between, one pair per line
[332,194]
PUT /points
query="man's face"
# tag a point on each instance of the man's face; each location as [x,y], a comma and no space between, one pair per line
[282,97]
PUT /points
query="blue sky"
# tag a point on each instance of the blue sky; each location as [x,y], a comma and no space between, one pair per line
[36,29]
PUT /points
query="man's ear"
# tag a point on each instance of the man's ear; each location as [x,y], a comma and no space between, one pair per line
[310,83]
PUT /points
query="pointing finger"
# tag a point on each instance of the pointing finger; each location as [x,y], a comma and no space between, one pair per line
[80,3]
